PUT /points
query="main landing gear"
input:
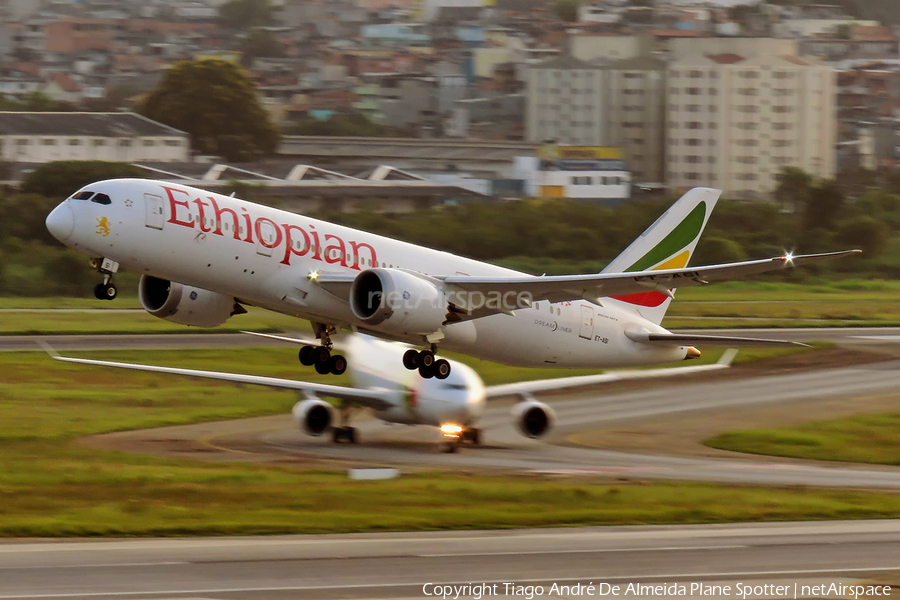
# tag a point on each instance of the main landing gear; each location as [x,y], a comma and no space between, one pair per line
[427,363]
[106,290]
[320,356]
[344,433]
[323,360]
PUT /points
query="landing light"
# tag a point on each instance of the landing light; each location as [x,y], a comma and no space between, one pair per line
[451,431]
[313,275]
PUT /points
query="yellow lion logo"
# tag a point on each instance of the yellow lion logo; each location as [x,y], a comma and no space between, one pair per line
[103,226]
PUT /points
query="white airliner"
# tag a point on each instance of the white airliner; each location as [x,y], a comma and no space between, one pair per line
[397,395]
[203,256]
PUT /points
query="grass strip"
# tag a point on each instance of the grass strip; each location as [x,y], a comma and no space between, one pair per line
[50,486]
[867,438]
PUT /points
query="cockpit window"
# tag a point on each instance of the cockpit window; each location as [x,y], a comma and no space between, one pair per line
[82,195]
[454,386]
[101,199]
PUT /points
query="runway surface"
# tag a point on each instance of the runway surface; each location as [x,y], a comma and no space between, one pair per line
[398,565]
[274,438]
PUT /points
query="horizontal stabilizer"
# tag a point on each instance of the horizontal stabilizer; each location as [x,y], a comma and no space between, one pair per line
[689,339]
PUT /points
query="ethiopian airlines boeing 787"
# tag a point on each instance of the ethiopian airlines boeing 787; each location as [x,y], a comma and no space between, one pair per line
[203,256]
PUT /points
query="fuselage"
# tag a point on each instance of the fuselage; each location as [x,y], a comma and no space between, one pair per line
[377,364]
[264,256]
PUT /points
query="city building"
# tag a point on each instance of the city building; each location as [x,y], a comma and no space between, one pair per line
[565,102]
[734,122]
[583,173]
[129,137]
[620,104]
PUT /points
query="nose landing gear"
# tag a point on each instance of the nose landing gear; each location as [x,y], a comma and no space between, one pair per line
[106,290]
[427,363]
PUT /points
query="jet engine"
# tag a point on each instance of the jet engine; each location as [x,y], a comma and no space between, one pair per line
[186,304]
[533,418]
[313,415]
[398,301]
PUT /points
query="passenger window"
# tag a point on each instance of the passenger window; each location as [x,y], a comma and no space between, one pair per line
[101,199]
[82,195]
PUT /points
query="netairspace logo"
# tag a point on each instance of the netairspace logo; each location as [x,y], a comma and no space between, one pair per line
[477,591]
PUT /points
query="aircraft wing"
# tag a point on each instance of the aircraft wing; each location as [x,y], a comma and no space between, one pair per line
[592,287]
[374,399]
[560,288]
[526,388]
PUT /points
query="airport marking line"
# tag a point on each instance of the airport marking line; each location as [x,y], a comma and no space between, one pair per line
[299,588]
[587,551]
[100,566]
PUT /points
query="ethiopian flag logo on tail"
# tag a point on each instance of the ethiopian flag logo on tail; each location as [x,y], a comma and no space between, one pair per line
[667,244]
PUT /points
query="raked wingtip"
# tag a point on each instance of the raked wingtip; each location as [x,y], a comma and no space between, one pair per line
[48,349]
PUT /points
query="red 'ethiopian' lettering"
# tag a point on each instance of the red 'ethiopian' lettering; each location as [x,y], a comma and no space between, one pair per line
[201,218]
[335,253]
[174,204]
[289,243]
[276,232]
[219,213]
[373,260]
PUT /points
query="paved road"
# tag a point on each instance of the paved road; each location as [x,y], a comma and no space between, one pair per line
[398,565]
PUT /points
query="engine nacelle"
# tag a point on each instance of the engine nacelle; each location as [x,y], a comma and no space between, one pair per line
[186,304]
[533,418]
[399,301]
[313,416]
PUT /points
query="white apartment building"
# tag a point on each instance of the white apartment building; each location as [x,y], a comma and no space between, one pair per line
[636,104]
[128,137]
[620,104]
[566,102]
[733,121]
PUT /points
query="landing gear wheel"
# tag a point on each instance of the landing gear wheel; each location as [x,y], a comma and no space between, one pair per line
[426,372]
[322,356]
[306,356]
[425,359]
[105,291]
[340,434]
[411,359]
[451,447]
[472,435]
[337,364]
[441,369]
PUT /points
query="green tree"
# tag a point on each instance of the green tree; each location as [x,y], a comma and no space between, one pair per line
[793,189]
[714,250]
[244,14]
[865,233]
[567,10]
[823,206]
[32,102]
[355,123]
[260,43]
[215,102]
[59,179]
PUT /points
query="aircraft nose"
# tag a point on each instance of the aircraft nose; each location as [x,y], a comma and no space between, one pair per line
[61,222]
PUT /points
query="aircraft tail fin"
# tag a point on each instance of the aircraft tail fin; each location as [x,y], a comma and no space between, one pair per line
[668,243]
